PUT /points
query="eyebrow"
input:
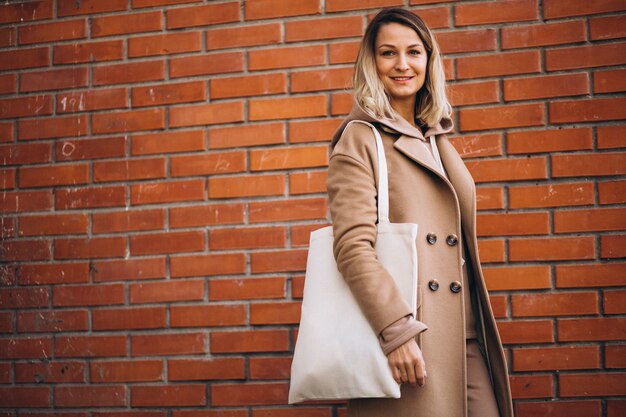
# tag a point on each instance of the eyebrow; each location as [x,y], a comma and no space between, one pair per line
[393,46]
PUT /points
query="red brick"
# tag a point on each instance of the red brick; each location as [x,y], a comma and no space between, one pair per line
[299,209]
[132,72]
[611,192]
[248,238]
[6,326]
[590,275]
[7,178]
[499,117]
[591,329]
[511,169]
[247,135]
[490,65]
[213,264]
[25,348]
[24,297]
[128,121]
[242,289]
[581,165]
[27,153]
[48,372]
[8,37]
[123,221]
[512,224]
[129,169]
[278,261]
[100,99]
[265,9]
[6,131]
[613,246]
[326,28]
[172,242]
[53,127]
[249,394]
[167,192]
[609,81]
[174,395]
[553,9]
[615,408]
[167,142]
[553,195]
[312,131]
[52,321]
[564,304]
[25,250]
[250,341]
[208,164]
[498,305]
[561,248]
[546,86]
[71,8]
[75,53]
[130,269]
[17,396]
[25,106]
[517,278]
[288,158]
[559,408]
[207,114]
[270,368]
[247,186]
[587,56]
[168,344]
[300,234]
[549,140]
[128,318]
[126,371]
[461,94]
[614,302]
[590,220]
[168,93]
[81,198]
[286,57]
[50,32]
[592,385]
[309,182]
[243,36]
[98,247]
[205,369]
[206,215]
[287,108]
[615,356]
[206,64]
[53,224]
[54,175]
[543,34]
[126,23]
[207,315]
[489,12]
[171,43]
[54,273]
[607,27]
[527,331]
[210,14]
[90,396]
[275,313]
[343,53]
[531,386]
[70,150]
[587,110]
[24,58]
[26,12]
[91,346]
[316,80]
[7,81]
[59,79]
[248,86]
[88,295]
[166,291]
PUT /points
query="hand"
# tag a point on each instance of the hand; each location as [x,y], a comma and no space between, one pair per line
[407,364]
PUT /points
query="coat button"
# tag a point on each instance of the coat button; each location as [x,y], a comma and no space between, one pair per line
[452,240]
[433,284]
[431,238]
[455,286]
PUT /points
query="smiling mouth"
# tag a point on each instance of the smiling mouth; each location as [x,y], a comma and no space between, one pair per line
[401,78]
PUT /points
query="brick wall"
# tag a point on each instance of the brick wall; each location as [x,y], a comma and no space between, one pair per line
[164,162]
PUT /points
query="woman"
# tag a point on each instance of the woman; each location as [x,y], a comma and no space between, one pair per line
[456,367]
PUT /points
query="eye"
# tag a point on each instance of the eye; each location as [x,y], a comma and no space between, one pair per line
[388,52]
[415,52]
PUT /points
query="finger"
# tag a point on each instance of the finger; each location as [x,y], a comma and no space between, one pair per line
[411,374]
[403,374]
[420,374]
[396,373]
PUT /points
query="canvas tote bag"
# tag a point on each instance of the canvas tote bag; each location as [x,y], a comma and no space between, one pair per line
[337,354]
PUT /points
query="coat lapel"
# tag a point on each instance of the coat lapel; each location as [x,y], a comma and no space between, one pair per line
[417,151]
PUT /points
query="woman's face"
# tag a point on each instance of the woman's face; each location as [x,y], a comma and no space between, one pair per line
[401,61]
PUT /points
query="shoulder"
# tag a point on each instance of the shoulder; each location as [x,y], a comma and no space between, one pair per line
[357,141]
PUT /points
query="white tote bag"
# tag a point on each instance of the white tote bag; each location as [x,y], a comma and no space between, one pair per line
[337,354]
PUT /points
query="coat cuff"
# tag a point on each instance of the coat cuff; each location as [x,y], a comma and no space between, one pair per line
[400,332]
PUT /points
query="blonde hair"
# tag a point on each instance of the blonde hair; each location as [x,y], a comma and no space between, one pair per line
[432,102]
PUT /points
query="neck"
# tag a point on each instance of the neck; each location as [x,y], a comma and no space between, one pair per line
[406,109]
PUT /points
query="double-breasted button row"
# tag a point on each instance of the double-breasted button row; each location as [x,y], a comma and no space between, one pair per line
[451,240]
[455,286]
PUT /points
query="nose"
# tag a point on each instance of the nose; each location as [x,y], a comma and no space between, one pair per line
[401,63]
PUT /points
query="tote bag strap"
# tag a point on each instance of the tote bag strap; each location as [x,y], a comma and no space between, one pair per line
[383,181]
[433,144]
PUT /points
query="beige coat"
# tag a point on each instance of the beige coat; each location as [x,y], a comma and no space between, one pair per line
[418,193]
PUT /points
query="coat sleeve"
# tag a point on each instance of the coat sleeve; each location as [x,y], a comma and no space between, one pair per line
[351,184]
